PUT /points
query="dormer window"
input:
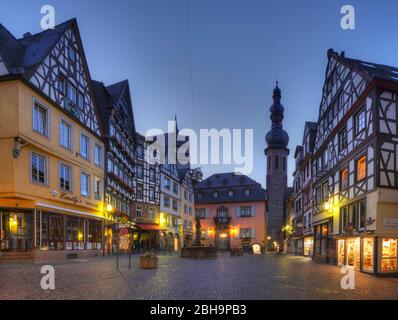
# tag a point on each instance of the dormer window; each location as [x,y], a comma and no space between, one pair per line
[199,195]
[215,194]
[231,193]
[247,192]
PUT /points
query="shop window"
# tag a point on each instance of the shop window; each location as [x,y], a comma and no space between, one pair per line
[74,233]
[368,254]
[341,252]
[361,168]
[389,255]
[94,231]
[353,253]
[51,231]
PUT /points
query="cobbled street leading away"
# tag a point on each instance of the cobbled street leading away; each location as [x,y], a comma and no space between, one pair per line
[248,277]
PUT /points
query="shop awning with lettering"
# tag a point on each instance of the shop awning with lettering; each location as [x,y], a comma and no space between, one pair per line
[149,227]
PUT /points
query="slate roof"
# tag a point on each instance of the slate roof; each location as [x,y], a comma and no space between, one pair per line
[372,70]
[223,183]
[103,102]
[22,55]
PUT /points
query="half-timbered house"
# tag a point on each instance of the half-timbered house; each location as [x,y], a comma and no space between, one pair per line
[52,164]
[355,166]
[146,197]
[117,120]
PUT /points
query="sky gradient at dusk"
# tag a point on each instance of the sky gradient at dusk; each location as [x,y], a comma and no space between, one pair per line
[214,63]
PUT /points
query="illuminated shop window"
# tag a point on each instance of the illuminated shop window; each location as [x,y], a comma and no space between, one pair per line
[353,252]
[389,255]
[368,250]
[341,252]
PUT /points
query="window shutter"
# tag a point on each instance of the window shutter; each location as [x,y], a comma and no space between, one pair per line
[253,211]
[237,211]
[238,234]
[253,233]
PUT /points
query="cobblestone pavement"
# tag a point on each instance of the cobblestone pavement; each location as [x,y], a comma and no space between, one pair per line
[248,277]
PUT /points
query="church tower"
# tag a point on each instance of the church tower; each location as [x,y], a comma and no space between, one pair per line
[276,153]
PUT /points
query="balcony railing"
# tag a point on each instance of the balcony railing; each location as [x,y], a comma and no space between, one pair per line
[222,222]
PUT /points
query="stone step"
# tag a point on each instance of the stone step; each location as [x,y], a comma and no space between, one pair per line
[16,256]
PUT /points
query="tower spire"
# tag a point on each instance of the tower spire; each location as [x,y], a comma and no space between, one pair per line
[277,137]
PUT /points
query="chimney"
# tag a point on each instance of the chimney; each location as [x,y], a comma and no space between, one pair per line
[27,34]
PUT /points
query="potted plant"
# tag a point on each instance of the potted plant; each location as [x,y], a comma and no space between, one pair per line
[149,261]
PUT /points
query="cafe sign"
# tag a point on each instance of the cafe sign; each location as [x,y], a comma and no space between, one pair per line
[390,223]
[70,197]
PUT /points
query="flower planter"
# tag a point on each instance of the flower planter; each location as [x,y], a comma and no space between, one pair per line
[148,262]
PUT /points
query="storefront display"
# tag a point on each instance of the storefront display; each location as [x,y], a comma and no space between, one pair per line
[341,252]
[353,253]
[368,254]
[389,255]
[308,245]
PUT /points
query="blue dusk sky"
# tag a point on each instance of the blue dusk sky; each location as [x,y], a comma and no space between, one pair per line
[214,62]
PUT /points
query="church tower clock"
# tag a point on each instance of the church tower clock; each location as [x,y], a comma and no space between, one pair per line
[276,178]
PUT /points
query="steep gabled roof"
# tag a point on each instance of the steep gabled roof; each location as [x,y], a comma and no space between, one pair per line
[370,70]
[312,127]
[21,55]
[10,48]
[182,171]
[116,91]
[104,103]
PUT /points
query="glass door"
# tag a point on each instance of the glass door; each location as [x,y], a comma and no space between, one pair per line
[353,253]
[19,231]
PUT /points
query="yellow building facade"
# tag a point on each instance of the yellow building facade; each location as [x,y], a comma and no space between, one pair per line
[52,155]
[28,205]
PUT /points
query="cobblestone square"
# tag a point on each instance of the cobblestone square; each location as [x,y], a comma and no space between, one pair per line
[248,277]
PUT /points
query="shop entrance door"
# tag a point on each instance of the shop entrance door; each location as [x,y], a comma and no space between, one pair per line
[354,253]
[17,233]
[222,242]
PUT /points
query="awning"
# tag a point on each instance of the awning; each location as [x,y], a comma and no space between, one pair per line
[149,227]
